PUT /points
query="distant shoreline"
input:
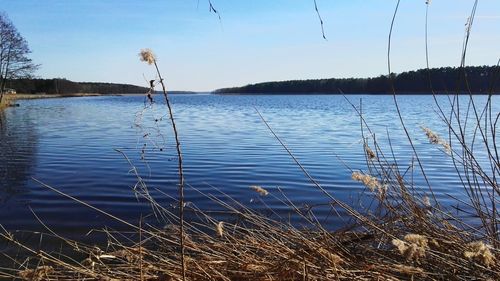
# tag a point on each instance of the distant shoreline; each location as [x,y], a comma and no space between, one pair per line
[444,80]
[9,100]
[51,96]
[349,94]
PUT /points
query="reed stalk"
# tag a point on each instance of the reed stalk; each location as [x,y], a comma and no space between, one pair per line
[150,58]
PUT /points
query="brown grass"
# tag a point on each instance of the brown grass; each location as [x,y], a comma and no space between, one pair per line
[422,244]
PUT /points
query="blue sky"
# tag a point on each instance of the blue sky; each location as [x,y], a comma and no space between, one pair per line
[256,40]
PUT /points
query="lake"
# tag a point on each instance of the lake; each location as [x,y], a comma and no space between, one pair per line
[71,144]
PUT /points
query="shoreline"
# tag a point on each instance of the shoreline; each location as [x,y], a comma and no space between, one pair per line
[51,96]
[9,100]
[346,94]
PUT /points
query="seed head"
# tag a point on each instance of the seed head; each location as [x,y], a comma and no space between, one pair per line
[480,252]
[220,229]
[147,56]
[369,152]
[371,182]
[426,201]
[413,247]
[435,139]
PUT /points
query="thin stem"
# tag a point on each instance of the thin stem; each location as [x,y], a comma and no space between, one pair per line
[181,172]
[393,90]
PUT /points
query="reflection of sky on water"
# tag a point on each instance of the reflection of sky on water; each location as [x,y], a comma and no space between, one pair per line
[70,144]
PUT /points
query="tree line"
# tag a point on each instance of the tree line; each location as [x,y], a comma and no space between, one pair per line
[16,70]
[64,86]
[475,79]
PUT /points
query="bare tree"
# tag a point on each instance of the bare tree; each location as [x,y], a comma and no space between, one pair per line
[14,51]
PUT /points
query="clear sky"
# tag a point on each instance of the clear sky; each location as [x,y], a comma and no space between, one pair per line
[256,40]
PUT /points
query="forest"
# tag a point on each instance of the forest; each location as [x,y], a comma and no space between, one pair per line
[64,86]
[474,79]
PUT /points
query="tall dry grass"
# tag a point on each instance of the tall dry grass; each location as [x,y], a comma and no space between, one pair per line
[409,235]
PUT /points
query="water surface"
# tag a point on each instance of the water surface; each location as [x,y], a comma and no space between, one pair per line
[71,144]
